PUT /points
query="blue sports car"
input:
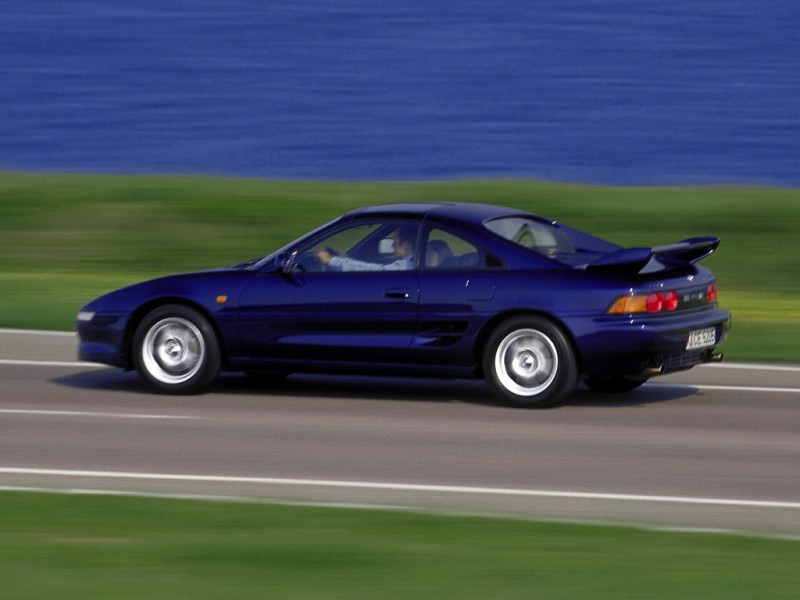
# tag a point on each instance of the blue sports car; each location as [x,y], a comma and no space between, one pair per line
[440,289]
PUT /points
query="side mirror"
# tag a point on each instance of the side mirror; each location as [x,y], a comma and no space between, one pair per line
[287,261]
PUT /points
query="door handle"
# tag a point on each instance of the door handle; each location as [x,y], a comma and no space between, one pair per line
[399,294]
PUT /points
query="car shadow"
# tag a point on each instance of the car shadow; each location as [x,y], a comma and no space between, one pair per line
[103,379]
[356,387]
[372,388]
[641,396]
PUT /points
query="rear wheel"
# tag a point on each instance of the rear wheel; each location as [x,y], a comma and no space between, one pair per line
[175,349]
[529,362]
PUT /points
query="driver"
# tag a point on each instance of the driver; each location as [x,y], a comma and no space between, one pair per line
[403,238]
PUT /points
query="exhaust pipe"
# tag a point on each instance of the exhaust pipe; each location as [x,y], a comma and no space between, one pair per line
[652,372]
[649,372]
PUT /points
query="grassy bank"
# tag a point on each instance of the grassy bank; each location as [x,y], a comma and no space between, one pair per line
[103,547]
[66,238]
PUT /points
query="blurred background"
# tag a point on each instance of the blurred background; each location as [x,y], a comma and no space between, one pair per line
[142,138]
[590,91]
[145,137]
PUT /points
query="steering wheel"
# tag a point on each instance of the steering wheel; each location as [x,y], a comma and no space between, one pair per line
[308,262]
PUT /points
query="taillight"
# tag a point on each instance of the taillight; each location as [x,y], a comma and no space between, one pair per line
[645,303]
[655,302]
[711,293]
[671,300]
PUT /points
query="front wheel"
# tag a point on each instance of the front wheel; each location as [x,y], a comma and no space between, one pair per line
[175,349]
[529,362]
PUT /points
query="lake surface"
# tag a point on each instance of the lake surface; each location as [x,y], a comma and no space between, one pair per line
[594,91]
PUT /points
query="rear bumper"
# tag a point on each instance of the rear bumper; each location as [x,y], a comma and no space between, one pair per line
[670,364]
[646,346]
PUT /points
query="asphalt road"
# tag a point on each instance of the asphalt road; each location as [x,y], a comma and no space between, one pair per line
[717,447]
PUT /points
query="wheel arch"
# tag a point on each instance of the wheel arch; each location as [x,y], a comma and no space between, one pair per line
[143,310]
[494,322]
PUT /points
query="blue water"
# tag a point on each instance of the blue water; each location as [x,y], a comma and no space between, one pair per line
[595,91]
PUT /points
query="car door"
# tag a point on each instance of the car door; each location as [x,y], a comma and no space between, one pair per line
[457,290]
[317,313]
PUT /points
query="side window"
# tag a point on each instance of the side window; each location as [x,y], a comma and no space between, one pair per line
[345,241]
[365,246]
[445,250]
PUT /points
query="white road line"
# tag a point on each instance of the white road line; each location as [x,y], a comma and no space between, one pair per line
[750,367]
[403,487]
[38,332]
[99,415]
[48,363]
[742,388]
[726,388]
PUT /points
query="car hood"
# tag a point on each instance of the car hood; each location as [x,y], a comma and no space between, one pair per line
[205,288]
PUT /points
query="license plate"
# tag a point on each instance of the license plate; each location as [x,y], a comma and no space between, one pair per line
[702,338]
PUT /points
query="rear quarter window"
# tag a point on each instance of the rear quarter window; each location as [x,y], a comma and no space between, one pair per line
[553,240]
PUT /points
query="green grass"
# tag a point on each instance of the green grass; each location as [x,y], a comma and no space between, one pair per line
[66,238]
[57,546]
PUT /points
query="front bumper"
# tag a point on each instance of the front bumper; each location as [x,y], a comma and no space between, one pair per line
[102,339]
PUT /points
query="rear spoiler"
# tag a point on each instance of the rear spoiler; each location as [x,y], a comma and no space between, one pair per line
[681,254]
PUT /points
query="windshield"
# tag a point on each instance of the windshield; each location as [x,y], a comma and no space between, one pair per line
[555,241]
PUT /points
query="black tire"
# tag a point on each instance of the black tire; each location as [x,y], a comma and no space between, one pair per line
[175,350]
[616,384]
[529,362]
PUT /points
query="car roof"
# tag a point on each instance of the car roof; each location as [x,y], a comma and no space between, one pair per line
[468,212]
